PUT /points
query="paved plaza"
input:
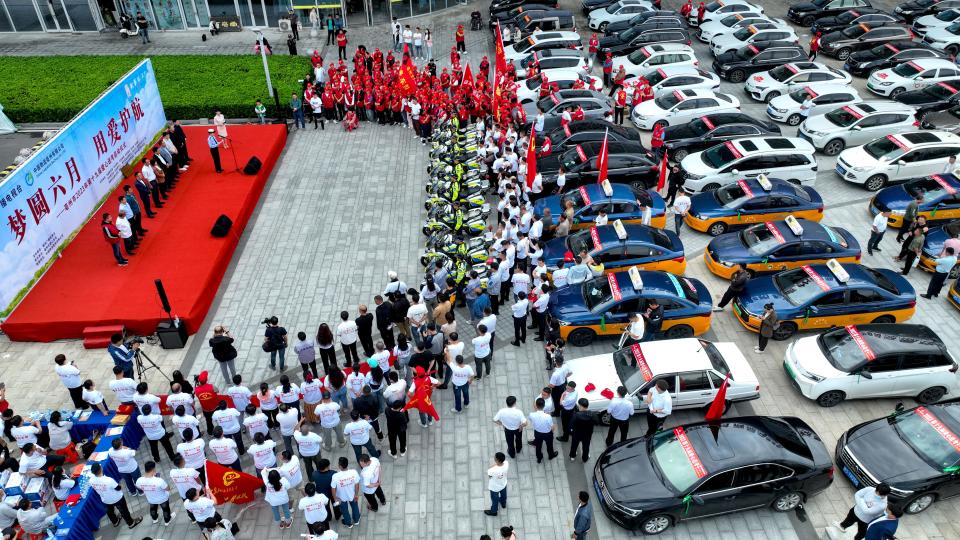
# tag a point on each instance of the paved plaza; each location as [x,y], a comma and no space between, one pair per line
[344,208]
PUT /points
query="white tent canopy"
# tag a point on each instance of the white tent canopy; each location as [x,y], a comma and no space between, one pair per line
[6,126]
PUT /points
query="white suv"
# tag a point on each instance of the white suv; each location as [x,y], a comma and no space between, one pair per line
[624,10]
[767,85]
[732,23]
[871,360]
[821,98]
[856,124]
[719,9]
[788,158]
[669,78]
[681,106]
[541,41]
[891,82]
[946,39]
[654,56]
[896,158]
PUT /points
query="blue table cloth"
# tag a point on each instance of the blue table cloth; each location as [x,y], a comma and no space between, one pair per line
[82,520]
[99,422]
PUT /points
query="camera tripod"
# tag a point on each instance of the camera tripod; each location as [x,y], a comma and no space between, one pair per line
[139,358]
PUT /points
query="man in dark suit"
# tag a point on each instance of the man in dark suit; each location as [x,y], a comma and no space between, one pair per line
[384,308]
[365,330]
[179,139]
[144,189]
[581,430]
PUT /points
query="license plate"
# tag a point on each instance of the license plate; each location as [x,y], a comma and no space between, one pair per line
[841,170]
[770,110]
[850,475]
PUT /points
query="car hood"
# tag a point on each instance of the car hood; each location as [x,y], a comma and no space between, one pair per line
[787,103]
[835,37]
[811,358]
[597,370]
[728,247]
[760,291]
[629,476]
[819,122]
[826,21]
[705,205]
[694,163]
[884,455]
[648,108]
[552,202]
[566,304]
[804,6]
[554,250]
[862,56]
[916,97]
[610,41]
[933,243]
[893,197]
[858,157]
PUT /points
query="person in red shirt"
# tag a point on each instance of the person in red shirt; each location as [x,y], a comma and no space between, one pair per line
[112,235]
[656,139]
[593,45]
[815,45]
[342,44]
[646,92]
[701,11]
[607,69]
[620,103]
[208,397]
[454,56]
[315,59]
[686,9]
[461,39]
[485,68]
[577,114]
[329,108]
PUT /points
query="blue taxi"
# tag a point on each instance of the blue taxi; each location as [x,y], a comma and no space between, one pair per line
[780,245]
[826,295]
[750,201]
[602,306]
[623,203]
[941,198]
[933,246]
[648,248]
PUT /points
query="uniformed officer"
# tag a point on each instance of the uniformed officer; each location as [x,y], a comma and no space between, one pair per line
[214,145]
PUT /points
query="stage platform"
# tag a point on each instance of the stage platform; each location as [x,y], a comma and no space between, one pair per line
[85,287]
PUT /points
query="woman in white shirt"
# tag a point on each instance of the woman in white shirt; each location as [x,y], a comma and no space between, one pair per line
[276,496]
[290,470]
[61,443]
[288,393]
[62,484]
[268,404]
[92,396]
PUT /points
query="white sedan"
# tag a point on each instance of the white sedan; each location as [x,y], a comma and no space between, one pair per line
[681,106]
[670,78]
[529,90]
[654,56]
[819,98]
[911,75]
[767,85]
[942,19]
[624,10]
[755,33]
[732,23]
[721,8]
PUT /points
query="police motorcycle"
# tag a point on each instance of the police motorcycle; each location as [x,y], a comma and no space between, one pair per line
[471,222]
[467,200]
[471,249]
[459,270]
[439,212]
[455,189]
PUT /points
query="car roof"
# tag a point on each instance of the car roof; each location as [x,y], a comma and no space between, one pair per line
[811,231]
[592,148]
[547,36]
[621,193]
[690,93]
[859,275]
[754,145]
[886,338]
[764,45]
[547,53]
[876,106]
[807,66]
[740,441]
[733,118]
[680,69]
[668,48]
[928,63]
[636,234]
[924,138]
[824,87]
[778,187]
[674,355]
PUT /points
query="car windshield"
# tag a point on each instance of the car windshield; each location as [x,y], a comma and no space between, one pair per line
[574,196]
[799,96]
[930,188]
[698,127]
[718,156]
[854,31]
[612,8]
[716,359]
[748,52]
[742,34]
[938,91]
[627,369]
[713,6]
[917,429]
[781,73]
[908,70]
[731,20]
[660,238]
[847,16]
[883,147]
[671,459]
[884,51]
[821,3]
[666,102]
[758,239]
[797,287]
[580,242]
[842,117]
[628,35]
[547,103]
[596,292]
[525,46]
[954,29]
[533,83]
[948,15]
[730,195]
[841,350]
[637,57]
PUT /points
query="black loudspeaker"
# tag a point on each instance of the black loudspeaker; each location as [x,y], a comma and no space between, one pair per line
[172,336]
[253,166]
[163,295]
[221,227]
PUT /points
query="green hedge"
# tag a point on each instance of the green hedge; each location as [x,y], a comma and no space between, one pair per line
[54,89]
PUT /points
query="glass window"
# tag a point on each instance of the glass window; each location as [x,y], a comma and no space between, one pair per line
[196,13]
[758,474]
[692,381]
[916,361]
[5,25]
[861,296]
[831,299]
[715,379]
[884,363]
[24,15]
[80,15]
[639,250]
[719,482]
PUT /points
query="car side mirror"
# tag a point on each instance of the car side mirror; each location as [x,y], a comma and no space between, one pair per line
[898,408]
[608,315]
[865,373]
[856,128]
[698,500]
[813,310]
[735,171]
[901,163]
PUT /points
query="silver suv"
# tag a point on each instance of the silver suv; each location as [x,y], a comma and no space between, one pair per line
[856,124]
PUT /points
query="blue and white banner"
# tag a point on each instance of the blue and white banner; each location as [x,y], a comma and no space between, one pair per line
[50,196]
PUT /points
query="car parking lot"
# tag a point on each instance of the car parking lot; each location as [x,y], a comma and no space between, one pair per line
[846,206]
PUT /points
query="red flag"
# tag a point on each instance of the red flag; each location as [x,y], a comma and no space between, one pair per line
[500,59]
[532,157]
[662,181]
[421,398]
[715,412]
[407,81]
[603,159]
[229,486]
[467,77]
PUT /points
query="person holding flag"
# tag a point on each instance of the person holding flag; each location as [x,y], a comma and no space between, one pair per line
[419,394]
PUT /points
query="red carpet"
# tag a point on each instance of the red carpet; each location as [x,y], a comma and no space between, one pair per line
[87,288]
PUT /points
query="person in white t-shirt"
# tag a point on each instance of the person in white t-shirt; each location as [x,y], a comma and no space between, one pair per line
[314,508]
[112,497]
[289,468]
[126,461]
[194,452]
[157,493]
[256,422]
[156,432]
[482,349]
[263,454]
[308,446]
[289,419]
[123,387]
[312,389]
[185,479]
[93,396]
[358,430]
[70,377]
[240,395]
[461,376]
[183,421]
[178,397]
[497,485]
[198,506]
[370,482]
[228,418]
[277,496]
[329,413]
[225,449]
[346,489]
[347,334]
[512,420]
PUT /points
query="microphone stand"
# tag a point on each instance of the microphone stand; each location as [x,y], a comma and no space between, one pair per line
[236,164]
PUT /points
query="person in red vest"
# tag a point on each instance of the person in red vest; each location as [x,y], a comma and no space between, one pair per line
[701,11]
[620,103]
[815,45]
[656,140]
[577,114]
[342,44]
[208,397]
[484,68]
[461,39]
[686,9]
[607,69]
[326,99]
[593,45]
[112,235]
[315,59]
[646,92]
[454,56]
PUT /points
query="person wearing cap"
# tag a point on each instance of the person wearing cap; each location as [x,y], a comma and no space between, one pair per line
[208,397]
[768,324]
[214,143]
[394,286]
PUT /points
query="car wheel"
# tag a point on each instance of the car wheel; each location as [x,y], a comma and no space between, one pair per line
[718,228]
[604,418]
[884,319]
[581,337]
[785,331]
[680,154]
[787,501]
[426,231]
[711,187]
[603,27]
[896,92]
[831,398]
[737,76]
[656,524]
[424,262]
[661,123]
[931,395]
[875,182]
[638,185]
[919,503]
[794,120]
[770,96]
[679,331]
[808,21]
[834,147]
[843,54]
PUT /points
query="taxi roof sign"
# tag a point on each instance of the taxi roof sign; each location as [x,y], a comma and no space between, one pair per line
[607,188]
[635,278]
[764,182]
[794,225]
[837,270]
[621,231]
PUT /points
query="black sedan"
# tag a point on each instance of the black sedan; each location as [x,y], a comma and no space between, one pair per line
[632,39]
[842,44]
[918,8]
[586,131]
[866,15]
[711,129]
[806,13]
[762,56]
[888,55]
[508,15]
[589,5]
[935,97]
[699,470]
[627,163]
[647,16]
[916,452]
[506,5]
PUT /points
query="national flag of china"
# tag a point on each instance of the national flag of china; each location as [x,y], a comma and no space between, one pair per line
[715,412]
[229,486]
[532,157]
[467,79]
[662,181]
[421,398]
[603,159]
